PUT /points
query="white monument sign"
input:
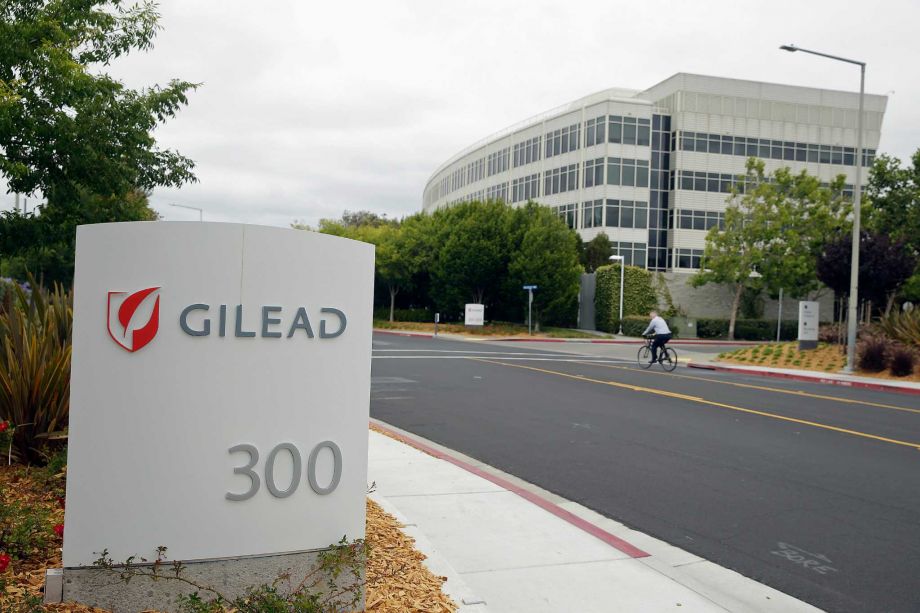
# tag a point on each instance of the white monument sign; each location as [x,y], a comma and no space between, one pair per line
[808,324]
[219,391]
[474,315]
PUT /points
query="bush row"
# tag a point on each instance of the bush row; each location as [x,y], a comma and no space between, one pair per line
[875,354]
[418,315]
[748,329]
[636,325]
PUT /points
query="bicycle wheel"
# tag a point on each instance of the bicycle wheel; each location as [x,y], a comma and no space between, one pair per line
[669,359]
[644,357]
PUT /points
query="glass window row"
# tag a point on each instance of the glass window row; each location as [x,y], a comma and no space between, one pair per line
[689,258]
[498,161]
[558,180]
[563,140]
[721,182]
[526,152]
[765,148]
[689,219]
[525,188]
[628,130]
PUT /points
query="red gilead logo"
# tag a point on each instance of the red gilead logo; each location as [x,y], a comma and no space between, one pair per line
[133,319]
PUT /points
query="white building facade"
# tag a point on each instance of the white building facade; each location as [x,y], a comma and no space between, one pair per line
[653,169]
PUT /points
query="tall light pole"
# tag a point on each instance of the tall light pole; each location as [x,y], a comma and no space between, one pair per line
[620,259]
[857,204]
[194,208]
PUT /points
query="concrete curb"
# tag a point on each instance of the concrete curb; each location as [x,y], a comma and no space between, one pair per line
[599,533]
[807,377]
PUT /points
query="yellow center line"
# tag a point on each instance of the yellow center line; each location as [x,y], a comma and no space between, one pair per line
[757,387]
[649,390]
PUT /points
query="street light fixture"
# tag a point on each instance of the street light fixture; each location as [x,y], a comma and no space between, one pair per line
[620,259]
[857,203]
[194,208]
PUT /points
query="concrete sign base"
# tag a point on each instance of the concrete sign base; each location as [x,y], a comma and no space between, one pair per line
[231,577]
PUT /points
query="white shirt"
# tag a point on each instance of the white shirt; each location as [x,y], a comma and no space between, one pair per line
[658,325]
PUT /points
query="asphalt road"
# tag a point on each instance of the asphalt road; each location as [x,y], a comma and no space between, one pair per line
[811,489]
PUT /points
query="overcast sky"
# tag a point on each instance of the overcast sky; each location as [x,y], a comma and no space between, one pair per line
[310,108]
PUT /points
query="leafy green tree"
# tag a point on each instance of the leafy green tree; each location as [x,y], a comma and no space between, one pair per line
[77,136]
[774,229]
[546,256]
[473,251]
[597,252]
[893,194]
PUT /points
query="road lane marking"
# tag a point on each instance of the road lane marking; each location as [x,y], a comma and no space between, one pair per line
[772,389]
[649,390]
[483,357]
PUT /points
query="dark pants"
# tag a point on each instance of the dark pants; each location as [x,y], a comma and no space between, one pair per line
[660,340]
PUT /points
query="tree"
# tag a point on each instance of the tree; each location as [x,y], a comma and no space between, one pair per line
[884,266]
[893,194]
[597,252]
[62,128]
[774,227]
[473,249]
[81,139]
[395,262]
[547,257]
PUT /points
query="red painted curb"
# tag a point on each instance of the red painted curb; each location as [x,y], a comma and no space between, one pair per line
[604,341]
[878,387]
[586,526]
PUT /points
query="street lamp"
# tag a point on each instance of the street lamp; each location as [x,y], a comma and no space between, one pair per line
[857,203]
[620,259]
[194,208]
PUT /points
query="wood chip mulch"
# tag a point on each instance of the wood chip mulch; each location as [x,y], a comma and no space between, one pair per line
[398,581]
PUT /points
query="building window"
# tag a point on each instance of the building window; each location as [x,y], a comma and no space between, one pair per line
[624,171]
[633,253]
[526,152]
[592,215]
[594,172]
[525,188]
[689,258]
[563,140]
[628,130]
[568,213]
[626,214]
[558,180]
[595,131]
[498,161]
[497,192]
[700,220]
[771,149]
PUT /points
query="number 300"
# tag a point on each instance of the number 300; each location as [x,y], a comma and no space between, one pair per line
[255,481]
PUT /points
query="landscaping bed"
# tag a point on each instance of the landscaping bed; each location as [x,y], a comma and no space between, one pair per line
[827,358]
[491,329]
[32,500]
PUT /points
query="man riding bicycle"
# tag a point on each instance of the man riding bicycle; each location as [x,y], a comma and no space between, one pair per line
[662,333]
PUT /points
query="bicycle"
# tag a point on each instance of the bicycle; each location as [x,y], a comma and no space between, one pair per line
[667,357]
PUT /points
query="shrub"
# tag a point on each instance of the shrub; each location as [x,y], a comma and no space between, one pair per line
[902,326]
[638,296]
[417,315]
[747,329]
[711,328]
[872,354]
[35,334]
[903,361]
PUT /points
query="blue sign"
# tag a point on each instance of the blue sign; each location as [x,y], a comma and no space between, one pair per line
[530,287]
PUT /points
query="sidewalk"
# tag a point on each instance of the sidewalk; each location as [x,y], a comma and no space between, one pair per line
[508,546]
[885,385]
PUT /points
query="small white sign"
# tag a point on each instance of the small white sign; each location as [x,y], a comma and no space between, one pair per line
[808,321]
[219,391]
[475,315]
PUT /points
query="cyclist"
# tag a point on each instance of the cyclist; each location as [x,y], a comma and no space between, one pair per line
[662,333]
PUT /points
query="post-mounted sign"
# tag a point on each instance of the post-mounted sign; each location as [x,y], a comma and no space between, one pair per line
[219,391]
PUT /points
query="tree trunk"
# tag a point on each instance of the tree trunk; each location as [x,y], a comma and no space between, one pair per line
[734,315]
[890,304]
[393,292]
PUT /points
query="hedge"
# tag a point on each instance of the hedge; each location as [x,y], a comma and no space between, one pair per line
[419,315]
[748,329]
[636,325]
[638,297]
